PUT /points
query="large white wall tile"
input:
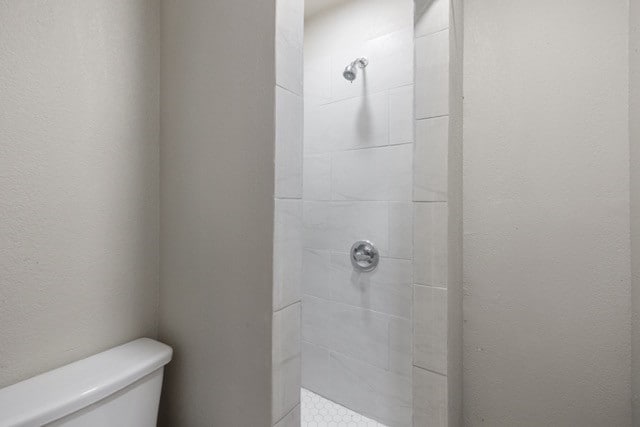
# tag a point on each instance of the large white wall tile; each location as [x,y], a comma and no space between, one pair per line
[431,16]
[289,144]
[353,221]
[315,369]
[287,252]
[289,44]
[286,361]
[430,328]
[401,115]
[381,394]
[360,122]
[431,160]
[316,120]
[316,271]
[387,289]
[391,60]
[400,230]
[432,75]
[372,174]
[317,177]
[362,334]
[317,231]
[429,399]
[400,345]
[430,244]
[317,80]
[316,321]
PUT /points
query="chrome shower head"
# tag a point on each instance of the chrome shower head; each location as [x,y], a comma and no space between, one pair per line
[351,70]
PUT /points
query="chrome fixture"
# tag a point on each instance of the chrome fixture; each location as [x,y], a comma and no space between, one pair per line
[351,70]
[364,256]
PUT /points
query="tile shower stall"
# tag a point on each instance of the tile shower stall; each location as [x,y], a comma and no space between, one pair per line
[362,160]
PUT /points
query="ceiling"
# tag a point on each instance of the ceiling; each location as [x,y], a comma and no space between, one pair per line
[314,6]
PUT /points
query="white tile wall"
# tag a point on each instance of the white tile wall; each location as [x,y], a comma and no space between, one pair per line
[372,174]
[386,290]
[317,80]
[289,44]
[353,221]
[432,60]
[401,115]
[360,122]
[316,369]
[430,328]
[400,343]
[288,232]
[430,244]
[430,167]
[286,361]
[316,271]
[429,399]
[431,16]
[376,392]
[430,219]
[361,334]
[317,177]
[316,321]
[289,137]
[336,225]
[359,184]
[287,252]
[401,230]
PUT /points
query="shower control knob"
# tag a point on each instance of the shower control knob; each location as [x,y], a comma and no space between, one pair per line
[364,256]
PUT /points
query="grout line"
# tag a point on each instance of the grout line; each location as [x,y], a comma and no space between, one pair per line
[433,33]
[382,313]
[287,306]
[289,90]
[429,370]
[366,95]
[287,198]
[290,411]
[441,287]
[431,117]
[426,202]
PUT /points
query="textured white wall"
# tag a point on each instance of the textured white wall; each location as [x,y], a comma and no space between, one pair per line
[78,179]
[546,213]
[217,181]
[634,122]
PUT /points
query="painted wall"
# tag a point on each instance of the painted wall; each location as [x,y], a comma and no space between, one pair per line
[78,179]
[546,213]
[358,150]
[217,181]
[634,122]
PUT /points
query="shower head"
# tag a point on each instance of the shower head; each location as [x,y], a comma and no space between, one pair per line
[351,70]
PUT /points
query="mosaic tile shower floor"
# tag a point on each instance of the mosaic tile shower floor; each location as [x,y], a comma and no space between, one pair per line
[320,412]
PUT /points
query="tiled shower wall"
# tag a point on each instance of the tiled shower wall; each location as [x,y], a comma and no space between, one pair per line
[287,251]
[358,157]
[375,342]
[431,213]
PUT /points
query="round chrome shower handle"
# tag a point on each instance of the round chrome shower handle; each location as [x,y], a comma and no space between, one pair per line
[364,256]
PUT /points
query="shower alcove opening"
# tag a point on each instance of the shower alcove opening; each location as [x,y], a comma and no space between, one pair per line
[366,149]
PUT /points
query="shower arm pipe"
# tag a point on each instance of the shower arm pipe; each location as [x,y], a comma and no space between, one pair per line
[361,62]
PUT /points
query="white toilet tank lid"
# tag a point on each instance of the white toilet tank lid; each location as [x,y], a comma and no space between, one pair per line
[55,394]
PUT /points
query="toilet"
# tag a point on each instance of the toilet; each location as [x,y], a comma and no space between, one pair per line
[118,387]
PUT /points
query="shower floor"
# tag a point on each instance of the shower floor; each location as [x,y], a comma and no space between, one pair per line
[320,412]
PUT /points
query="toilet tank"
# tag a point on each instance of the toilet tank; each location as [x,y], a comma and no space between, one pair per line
[118,387]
